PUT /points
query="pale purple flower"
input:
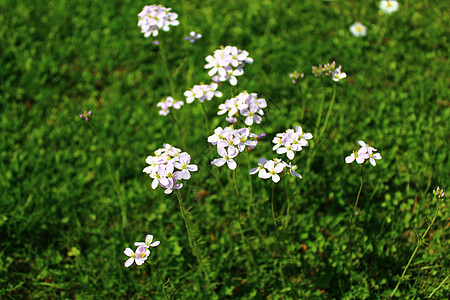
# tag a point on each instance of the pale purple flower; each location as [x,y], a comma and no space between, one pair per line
[271,170]
[227,157]
[364,153]
[167,103]
[338,75]
[139,257]
[153,18]
[184,165]
[439,193]
[148,242]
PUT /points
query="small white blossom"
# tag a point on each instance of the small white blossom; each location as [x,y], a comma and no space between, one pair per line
[358,29]
[148,242]
[167,103]
[389,6]
[139,257]
[364,153]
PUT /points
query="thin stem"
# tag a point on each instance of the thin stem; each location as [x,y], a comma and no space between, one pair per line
[244,240]
[359,192]
[316,137]
[249,205]
[192,243]
[115,183]
[286,188]
[419,243]
[324,127]
[162,52]
[445,279]
[206,118]
[273,211]
[162,281]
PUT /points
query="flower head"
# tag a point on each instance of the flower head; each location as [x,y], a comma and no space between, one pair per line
[166,104]
[358,29]
[153,18]
[295,76]
[389,6]
[291,141]
[338,75]
[202,92]
[364,153]
[148,242]
[168,167]
[139,256]
[86,115]
[439,193]
[226,63]
[193,37]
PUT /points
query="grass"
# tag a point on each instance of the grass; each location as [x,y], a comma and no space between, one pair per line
[73,195]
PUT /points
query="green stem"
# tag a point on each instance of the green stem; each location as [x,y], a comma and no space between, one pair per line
[286,188]
[419,243]
[244,240]
[115,183]
[162,281]
[250,205]
[162,52]
[329,111]
[192,243]
[208,132]
[445,279]
[273,211]
[359,192]
[316,137]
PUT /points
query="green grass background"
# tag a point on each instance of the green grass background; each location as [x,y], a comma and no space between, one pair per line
[63,228]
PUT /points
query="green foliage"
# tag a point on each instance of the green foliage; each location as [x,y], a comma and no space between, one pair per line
[73,195]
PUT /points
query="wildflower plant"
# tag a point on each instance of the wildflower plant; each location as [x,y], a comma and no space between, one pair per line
[439,195]
[226,63]
[153,18]
[168,166]
[295,76]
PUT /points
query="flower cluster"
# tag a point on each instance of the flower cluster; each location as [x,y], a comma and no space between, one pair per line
[271,168]
[440,194]
[329,70]
[228,63]
[162,168]
[358,29]
[202,92]
[291,141]
[364,153]
[166,104]
[295,76]
[388,6]
[193,37]
[86,115]
[142,252]
[248,105]
[230,142]
[155,17]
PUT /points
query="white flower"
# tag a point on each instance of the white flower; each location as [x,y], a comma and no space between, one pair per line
[273,169]
[389,6]
[148,242]
[261,162]
[153,18]
[139,257]
[338,75]
[227,157]
[193,37]
[364,153]
[358,29]
[183,164]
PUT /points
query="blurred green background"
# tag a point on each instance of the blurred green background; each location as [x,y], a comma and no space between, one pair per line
[73,195]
